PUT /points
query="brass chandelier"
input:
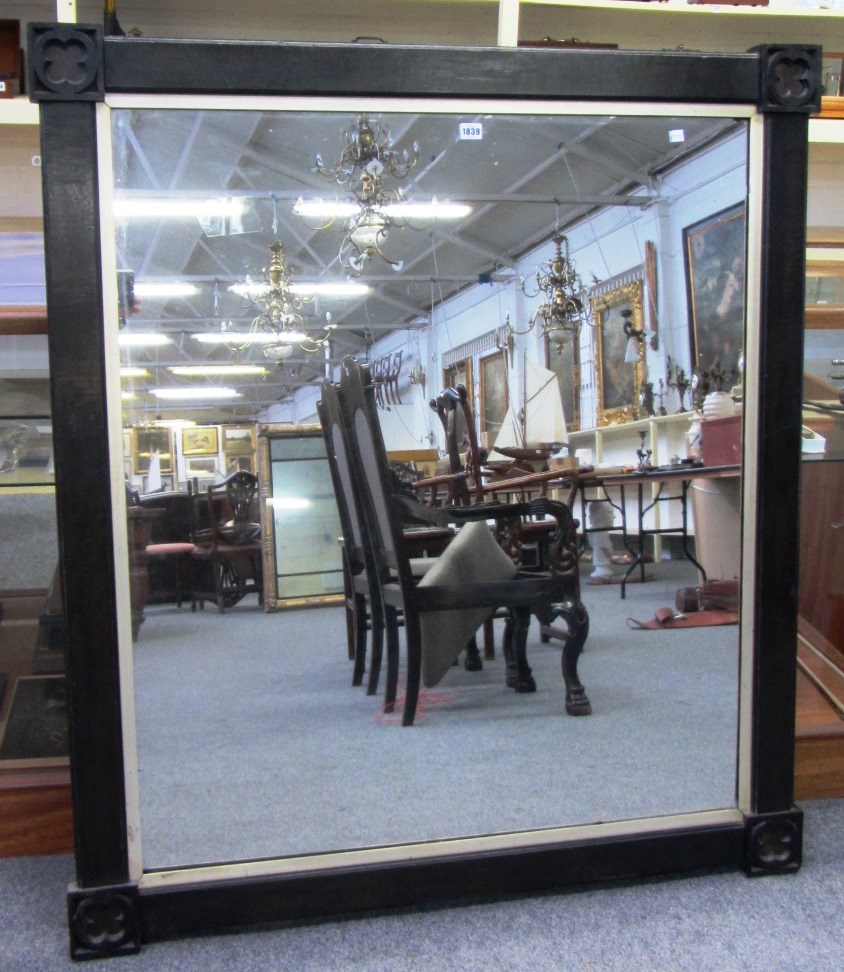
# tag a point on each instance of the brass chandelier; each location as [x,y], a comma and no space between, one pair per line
[365,147]
[279,325]
[371,208]
[366,230]
[565,308]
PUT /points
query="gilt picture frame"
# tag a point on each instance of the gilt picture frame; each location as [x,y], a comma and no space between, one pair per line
[202,440]
[492,392]
[238,440]
[146,441]
[619,358]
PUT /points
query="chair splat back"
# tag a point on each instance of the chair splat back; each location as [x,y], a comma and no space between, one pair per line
[240,490]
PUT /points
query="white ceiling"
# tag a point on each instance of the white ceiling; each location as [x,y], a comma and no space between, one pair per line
[525,176]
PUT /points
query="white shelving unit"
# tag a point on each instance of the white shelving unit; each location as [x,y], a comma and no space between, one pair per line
[616,445]
[674,23]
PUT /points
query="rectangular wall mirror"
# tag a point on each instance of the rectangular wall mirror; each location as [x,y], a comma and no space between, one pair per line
[225,769]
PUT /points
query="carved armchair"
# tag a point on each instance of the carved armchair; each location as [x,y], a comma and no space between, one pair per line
[475,580]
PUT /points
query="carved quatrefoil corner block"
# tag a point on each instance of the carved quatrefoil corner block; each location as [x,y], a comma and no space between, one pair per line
[790,77]
[103,922]
[773,843]
[65,62]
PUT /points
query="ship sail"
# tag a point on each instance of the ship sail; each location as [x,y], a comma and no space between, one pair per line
[542,421]
[545,421]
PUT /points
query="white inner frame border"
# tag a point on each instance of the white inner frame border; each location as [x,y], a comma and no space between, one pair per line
[190,875]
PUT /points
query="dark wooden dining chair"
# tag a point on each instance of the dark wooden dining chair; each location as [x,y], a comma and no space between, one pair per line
[227,556]
[364,611]
[472,578]
[170,550]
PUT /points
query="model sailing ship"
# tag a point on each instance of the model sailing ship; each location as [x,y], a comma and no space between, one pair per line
[536,430]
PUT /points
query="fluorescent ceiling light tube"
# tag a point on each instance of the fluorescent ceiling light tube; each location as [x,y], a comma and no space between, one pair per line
[127,396]
[175,289]
[235,338]
[142,339]
[288,503]
[133,372]
[150,207]
[335,208]
[209,391]
[290,337]
[338,288]
[174,423]
[218,370]
[431,210]
[325,208]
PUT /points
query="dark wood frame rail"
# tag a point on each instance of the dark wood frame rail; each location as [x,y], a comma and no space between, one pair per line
[111,909]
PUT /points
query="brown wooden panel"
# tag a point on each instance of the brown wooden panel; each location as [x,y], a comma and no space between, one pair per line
[23,319]
[832,107]
[824,318]
[819,768]
[821,546]
[36,820]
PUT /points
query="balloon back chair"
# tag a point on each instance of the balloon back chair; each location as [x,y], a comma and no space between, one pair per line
[228,556]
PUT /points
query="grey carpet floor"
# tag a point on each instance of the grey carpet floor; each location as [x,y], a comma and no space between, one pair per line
[252,743]
[706,923]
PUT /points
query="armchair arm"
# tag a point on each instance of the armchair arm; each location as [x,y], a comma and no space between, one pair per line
[540,480]
[437,480]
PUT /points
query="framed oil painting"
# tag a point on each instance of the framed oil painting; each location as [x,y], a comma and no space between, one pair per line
[202,467]
[564,360]
[238,440]
[494,397]
[714,251]
[202,440]
[460,373]
[238,463]
[147,441]
[619,359]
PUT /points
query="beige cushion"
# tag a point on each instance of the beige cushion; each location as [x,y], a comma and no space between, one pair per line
[473,557]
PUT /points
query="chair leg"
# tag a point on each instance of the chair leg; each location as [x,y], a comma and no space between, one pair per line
[359,625]
[510,673]
[525,681]
[391,619]
[577,618]
[350,626]
[413,637]
[489,639]
[473,661]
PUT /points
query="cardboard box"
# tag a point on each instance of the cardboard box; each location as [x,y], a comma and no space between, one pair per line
[563,462]
[720,441]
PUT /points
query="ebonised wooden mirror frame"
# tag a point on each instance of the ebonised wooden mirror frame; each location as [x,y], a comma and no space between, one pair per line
[72,69]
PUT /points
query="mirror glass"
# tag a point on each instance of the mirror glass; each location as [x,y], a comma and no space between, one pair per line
[254,250]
